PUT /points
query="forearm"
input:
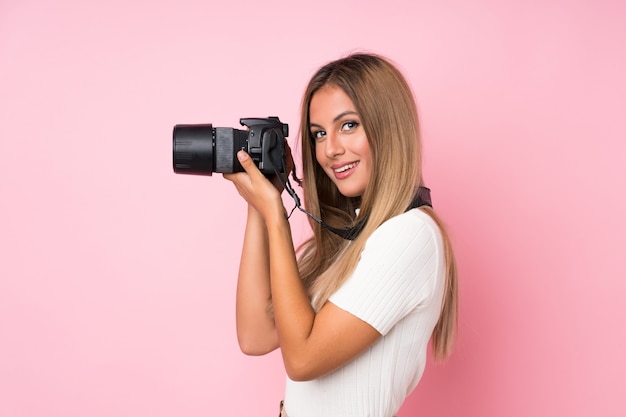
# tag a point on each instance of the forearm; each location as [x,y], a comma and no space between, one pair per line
[256,331]
[293,313]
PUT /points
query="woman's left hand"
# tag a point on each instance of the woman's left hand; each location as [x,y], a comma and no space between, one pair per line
[256,189]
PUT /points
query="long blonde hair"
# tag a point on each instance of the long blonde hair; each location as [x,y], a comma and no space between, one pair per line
[388,114]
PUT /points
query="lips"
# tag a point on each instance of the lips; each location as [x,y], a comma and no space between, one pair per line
[343,170]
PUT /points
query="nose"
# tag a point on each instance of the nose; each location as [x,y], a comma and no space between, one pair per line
[334,146]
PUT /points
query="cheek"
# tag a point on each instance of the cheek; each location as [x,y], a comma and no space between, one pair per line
[365,150]
[319,153]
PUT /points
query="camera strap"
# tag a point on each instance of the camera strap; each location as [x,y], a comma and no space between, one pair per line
[420,198]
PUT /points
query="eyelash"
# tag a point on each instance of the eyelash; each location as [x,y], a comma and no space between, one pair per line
[354,125]
[350,122]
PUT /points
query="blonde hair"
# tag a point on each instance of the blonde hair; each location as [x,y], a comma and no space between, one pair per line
[388,114]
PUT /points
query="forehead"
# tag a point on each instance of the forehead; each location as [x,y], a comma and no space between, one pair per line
[328,102]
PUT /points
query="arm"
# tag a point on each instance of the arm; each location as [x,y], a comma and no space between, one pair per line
[256,331]
[312,344]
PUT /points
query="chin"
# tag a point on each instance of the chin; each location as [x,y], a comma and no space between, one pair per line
[350,193]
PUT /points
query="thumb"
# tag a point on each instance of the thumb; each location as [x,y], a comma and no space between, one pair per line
[246,162]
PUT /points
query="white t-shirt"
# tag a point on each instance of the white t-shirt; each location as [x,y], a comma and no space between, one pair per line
[397,287]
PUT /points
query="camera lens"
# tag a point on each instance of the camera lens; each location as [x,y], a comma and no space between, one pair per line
[193,149]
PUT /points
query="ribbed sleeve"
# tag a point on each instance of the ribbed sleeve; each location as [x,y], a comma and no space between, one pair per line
[396,272]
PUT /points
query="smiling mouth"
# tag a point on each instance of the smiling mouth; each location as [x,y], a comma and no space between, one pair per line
[346,167]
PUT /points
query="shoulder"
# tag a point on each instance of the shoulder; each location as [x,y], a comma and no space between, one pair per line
[414,227]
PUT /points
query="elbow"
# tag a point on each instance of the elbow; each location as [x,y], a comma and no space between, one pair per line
[299,370]
[298,377]
[252,350]
[254,347]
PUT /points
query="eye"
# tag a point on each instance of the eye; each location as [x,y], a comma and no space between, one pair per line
[318,134]
[349,125]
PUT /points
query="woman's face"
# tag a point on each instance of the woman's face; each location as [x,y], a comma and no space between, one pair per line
[341,147]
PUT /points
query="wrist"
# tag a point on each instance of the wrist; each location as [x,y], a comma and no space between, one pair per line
[277,215]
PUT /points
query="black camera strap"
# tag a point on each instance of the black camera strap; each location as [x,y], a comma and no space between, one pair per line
[421,198]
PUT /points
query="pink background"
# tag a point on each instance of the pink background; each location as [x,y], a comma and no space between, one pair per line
[118,276]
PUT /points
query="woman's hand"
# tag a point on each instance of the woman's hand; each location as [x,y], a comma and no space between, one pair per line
[256,189]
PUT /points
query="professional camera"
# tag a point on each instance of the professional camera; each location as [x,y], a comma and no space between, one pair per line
[202,149]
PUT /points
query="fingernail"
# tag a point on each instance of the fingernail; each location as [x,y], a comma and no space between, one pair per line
[241,155]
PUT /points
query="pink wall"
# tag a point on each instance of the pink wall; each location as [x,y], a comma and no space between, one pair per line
[117,276]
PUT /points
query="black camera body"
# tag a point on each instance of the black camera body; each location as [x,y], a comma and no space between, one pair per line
[202,149]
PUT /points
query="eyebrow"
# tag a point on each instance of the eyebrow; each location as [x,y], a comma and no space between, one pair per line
[339,116]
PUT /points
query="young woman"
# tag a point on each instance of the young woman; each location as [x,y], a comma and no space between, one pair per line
[352,313]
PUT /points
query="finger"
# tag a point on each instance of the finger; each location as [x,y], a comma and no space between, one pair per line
[248,164]
[233,176]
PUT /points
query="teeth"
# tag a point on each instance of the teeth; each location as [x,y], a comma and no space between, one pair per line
[345,167]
